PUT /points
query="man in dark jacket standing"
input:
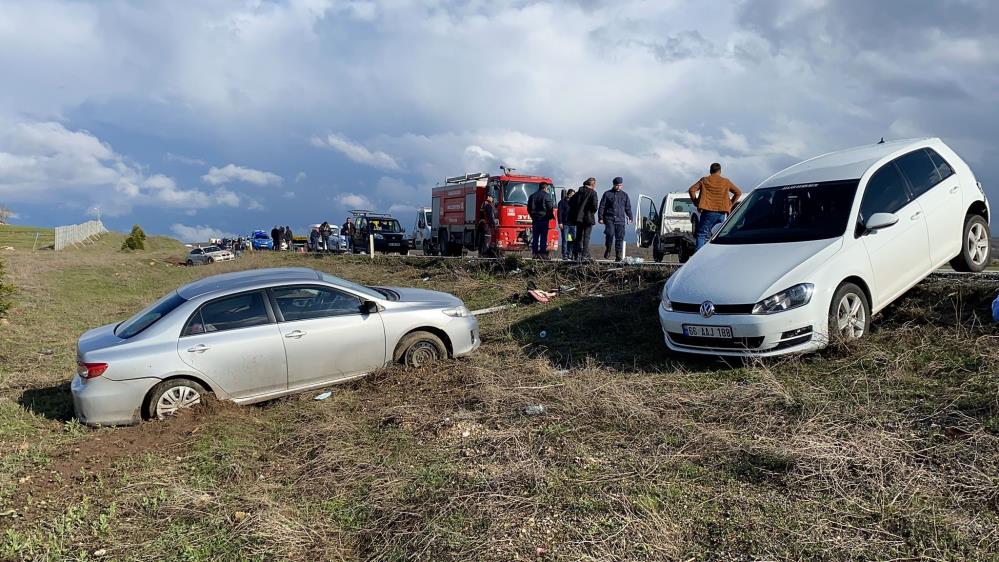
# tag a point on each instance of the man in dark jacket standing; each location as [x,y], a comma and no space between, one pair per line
[348,230]
[275,238]
[487,227]
[325,231]
[614,213]
[567,229]
[289,238]
[542,211]
[582,209]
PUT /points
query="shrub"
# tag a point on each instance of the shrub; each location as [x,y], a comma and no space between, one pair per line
[136,239]
[5,292]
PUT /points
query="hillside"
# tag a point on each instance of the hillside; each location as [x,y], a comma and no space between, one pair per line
[888,449]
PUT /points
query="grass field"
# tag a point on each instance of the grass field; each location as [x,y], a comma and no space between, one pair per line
[24,237]
[884,450]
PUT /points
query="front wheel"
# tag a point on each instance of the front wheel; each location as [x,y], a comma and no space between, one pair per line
[419,349]
[849,314]
[682,253]
[404,252]
[190,263]
[975,251]
[657,254]
[169,397]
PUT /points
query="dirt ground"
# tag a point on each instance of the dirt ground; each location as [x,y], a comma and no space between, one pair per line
[888,449]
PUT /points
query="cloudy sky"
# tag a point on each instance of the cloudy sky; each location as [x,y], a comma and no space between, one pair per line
[211,117]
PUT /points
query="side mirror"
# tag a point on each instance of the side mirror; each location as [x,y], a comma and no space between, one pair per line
[369,307]
[880,220]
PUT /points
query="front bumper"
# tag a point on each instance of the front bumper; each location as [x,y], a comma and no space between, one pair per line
[794,331]
[103,401]
[464,335]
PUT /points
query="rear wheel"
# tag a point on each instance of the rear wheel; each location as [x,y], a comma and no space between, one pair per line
[975,251]
[420,348]
[849,314]
[169,397]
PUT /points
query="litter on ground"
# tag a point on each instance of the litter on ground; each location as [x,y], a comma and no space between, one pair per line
[323,396]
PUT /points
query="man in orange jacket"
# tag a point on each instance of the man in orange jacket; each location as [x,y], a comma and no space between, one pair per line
[714,196]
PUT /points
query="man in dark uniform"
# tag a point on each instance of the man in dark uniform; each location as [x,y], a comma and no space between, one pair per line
[487,227]
[614,213]
[542,211]
[582,209]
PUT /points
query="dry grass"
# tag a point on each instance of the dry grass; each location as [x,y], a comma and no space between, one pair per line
[884,450]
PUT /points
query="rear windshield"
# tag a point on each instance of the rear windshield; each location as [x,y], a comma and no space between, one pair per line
[149,316]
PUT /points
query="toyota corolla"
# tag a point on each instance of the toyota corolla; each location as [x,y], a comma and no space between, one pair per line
[820,247]
[256,335]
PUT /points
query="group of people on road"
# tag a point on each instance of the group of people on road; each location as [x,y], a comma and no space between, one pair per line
[319,238]
[281,237]
[579,210]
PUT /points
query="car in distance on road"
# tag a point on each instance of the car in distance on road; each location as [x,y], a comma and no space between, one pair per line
[820,247]
[261,240]
[209,254]
[256,335]
[388,234]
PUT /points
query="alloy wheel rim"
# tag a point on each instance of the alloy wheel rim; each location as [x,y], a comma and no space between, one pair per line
[851,316]
[978,244]
[422,353]
[176,399]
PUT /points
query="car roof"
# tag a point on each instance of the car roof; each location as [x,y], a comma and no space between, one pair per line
[847,164]
[247,279]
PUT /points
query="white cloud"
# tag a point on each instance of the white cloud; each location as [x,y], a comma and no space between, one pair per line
[356,152]
[300,177]
[232,172]
[198,233]
[354,201]
[44,161]
[288,195]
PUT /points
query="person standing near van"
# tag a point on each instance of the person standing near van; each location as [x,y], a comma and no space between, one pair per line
[348,230]
[565,226]
[487,227]
[714,196]
[582,212]
[614,213]
[325,231]
[542,211]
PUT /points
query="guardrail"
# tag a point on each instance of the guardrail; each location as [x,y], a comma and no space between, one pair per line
[77,233]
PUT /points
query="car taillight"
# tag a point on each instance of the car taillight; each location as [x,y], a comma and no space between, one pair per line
[90,370]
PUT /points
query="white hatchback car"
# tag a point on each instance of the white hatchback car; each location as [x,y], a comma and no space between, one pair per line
[820,247]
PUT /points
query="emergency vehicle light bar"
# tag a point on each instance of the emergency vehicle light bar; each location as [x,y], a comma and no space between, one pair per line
[466,177]
[366,213]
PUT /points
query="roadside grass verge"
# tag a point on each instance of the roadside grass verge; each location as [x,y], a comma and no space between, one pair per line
[880,450]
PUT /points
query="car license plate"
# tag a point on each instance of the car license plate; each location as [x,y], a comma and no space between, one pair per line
[720,332]
[393,243]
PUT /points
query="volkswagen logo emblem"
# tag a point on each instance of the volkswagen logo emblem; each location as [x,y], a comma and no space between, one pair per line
[707,309]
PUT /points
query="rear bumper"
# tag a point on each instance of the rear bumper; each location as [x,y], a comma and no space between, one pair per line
[104,401]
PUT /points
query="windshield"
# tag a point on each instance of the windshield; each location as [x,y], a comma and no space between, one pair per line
[517,192]
[367,291]
[683,206]
[209,249]
[791,213]
[259,235]
[149,316]
[384,225]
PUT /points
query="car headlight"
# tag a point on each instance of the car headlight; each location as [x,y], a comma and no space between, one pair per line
[666,304]
[378,236]
[457,312]
[796,296]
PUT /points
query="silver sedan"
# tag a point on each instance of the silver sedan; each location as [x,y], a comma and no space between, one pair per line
[257,335]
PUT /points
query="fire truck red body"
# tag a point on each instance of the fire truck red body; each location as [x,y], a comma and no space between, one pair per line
[457,209]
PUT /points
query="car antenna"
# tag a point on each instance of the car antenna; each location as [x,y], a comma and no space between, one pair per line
[882,141]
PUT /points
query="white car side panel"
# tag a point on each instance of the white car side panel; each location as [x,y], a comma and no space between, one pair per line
[332,348]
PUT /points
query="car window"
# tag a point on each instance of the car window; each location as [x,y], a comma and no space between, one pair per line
[303,303]
[196,252]
[885,193]
[943,167]
[919,170]
[149,316]
[229,313]
[684,205]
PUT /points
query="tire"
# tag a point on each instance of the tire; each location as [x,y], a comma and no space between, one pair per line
[190,263]
[169,397]
[975,248]
[420,348]
[849,314]
[657,254]
[404,252]
[682,253]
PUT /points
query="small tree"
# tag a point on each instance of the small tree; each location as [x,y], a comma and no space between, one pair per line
[136,239]
[5,292]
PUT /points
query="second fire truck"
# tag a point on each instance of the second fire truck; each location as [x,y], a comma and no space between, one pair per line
[457,209]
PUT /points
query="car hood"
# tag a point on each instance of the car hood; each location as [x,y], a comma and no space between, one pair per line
[748,273]
[411,295]
[98,338]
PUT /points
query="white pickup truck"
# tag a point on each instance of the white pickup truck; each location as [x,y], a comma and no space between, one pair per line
[669,227]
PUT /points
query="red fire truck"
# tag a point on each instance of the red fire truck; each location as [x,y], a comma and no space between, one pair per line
[457,205]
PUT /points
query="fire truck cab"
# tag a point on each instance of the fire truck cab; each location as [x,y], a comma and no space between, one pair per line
[456,212]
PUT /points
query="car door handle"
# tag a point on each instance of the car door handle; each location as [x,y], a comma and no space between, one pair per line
[200,348]
[955,188]
[295,334]
[916,215]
